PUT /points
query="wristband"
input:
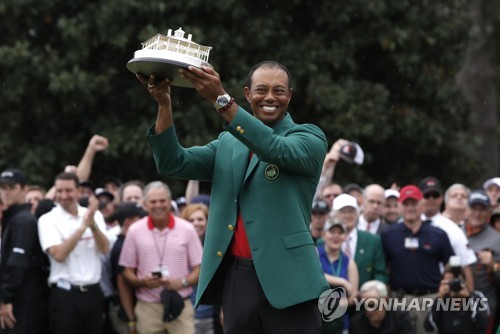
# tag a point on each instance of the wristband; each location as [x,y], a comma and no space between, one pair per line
[226,107]
[131,323]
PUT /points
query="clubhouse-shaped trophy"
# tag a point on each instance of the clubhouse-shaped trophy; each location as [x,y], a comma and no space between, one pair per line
[163,55]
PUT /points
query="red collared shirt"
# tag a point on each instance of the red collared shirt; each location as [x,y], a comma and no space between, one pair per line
[170,224]
[240,246]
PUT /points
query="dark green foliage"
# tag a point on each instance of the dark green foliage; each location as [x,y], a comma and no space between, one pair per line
[378,72]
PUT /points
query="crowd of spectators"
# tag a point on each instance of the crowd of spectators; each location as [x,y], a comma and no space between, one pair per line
[415,230]
[124,256]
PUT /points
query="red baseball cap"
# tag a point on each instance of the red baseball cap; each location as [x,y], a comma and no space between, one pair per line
[409,191]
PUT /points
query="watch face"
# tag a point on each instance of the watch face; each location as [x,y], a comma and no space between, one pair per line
[222,100]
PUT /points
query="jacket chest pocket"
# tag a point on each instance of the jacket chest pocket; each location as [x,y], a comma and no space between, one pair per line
[298,239]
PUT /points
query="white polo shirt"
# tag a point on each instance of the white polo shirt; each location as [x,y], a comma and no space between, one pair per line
[83,265]
[457,237]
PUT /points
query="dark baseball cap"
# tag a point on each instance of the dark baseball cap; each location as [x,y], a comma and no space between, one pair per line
[102,192]
[352,153]
[202,199]
[128,210]
[12,176]
[320,206]
[479,197]
[430,184]
[88,184]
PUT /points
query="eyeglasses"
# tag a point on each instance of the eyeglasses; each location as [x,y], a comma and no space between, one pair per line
[432,194]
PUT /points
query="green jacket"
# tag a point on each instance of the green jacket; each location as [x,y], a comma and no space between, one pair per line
[370,258]
[274,192]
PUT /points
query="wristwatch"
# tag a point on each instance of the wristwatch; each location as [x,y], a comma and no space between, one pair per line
[222,101]
[185,283]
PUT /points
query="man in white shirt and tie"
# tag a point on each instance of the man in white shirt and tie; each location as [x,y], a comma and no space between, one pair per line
[373,205]
[363,247]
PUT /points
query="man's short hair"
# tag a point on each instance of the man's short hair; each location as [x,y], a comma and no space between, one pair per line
[68,177]
[453,187]
[268,64]
[155,185]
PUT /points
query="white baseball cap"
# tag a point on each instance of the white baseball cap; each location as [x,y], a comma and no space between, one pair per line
[391,193]
[489,182]
[332,223]
[344,200]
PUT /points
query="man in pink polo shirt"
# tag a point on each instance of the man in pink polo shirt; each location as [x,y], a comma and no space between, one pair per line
[160,252]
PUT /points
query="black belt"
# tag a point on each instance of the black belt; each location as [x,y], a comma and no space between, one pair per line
[74,287]
[242,261]
[415,292]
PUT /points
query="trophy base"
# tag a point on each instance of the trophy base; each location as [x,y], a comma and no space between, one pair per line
[161,68]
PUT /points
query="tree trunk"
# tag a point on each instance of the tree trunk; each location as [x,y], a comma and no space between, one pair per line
[477,80]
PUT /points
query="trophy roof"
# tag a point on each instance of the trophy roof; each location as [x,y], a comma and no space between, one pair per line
[176,43]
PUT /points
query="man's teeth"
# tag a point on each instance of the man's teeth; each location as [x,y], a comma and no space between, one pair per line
[266,108]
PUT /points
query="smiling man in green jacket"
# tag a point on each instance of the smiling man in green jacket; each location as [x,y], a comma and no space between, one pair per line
[259,259]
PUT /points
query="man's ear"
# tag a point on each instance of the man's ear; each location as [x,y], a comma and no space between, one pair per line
[246,91]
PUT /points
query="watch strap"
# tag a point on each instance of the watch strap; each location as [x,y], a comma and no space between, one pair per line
[227,106]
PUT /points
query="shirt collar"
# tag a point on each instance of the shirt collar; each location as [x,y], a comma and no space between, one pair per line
[283,125]
[353,235]
[170,224]
[80,211]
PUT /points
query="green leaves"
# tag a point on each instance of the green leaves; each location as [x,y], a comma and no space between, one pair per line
[378,72]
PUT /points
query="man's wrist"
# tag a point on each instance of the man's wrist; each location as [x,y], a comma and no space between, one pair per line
[227,106]
[184,283]
[140,282]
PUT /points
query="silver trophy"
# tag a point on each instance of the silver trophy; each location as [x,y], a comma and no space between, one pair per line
[163,55]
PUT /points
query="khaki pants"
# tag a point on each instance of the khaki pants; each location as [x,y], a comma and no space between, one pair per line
[150,319]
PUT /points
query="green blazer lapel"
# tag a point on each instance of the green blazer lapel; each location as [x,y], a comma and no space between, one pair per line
[281,128]
[240,163]
[251,165]
[361,246]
